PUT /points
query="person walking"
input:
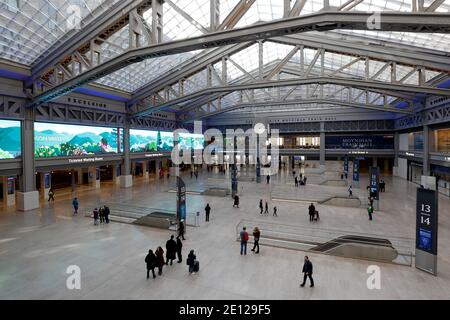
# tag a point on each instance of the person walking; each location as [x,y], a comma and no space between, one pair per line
[275,212]
[106,213]
[301,176]
[261,206]
[51,195]
[370,211]
[307,272]
[95,212]
[350,191]
[311,211]
[207,212]
[256,236]
[181,229]
[160,260]
[151,262]
[192,262]
[192,173]
[75,205]
[196,174]
[171,249]
[268,179]
[244,239]
[266,208]
[296,181]
[304,180]
[236,201]
[371,199]
[179,250]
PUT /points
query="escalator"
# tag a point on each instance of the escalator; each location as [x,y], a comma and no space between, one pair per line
[351,239]
[359,247]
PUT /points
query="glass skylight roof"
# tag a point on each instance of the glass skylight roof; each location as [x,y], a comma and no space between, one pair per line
[28,28]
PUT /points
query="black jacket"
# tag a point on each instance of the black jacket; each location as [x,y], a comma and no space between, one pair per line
[207,209]
[179,245]
[311,210]
[307,267]
[191,259]
[150,260]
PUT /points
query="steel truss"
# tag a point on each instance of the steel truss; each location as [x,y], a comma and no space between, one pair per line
[63,76]
[172,92]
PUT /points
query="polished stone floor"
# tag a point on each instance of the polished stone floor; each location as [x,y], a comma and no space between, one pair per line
[37,247]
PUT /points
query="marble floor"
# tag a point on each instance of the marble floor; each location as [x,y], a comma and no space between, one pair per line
[37,247]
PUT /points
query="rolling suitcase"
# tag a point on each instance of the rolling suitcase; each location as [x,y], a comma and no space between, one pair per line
[196,266]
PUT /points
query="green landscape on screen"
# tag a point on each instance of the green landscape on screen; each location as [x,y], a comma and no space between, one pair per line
[10,139]
[58,140]
[150,141]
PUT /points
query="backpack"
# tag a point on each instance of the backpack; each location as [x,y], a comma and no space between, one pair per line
[245,237]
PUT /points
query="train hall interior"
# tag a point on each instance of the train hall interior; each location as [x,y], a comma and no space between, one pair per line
[256,132]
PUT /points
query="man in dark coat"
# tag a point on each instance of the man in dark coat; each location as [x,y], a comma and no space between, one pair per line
[261,206]
[207,212]
[179,249]
[311,211]
[151,262]
[181,229]
[106,213]
[307,272]
[296,181]
[171,250]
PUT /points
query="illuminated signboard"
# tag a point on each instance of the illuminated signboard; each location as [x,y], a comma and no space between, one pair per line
[63,140]
[10,139]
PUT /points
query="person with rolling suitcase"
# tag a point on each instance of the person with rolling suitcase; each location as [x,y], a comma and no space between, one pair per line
[194,265]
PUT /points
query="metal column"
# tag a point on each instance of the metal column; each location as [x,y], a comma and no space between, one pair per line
[322,144]
[426,151]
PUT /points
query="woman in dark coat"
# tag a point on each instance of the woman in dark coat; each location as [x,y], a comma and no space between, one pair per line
[160,259]
[150,260]
[179,249]
[236,201]
[192,261]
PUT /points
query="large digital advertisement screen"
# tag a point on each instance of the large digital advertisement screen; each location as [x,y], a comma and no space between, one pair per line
[148,141]
[10,139]
[60,140]
[191,141]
